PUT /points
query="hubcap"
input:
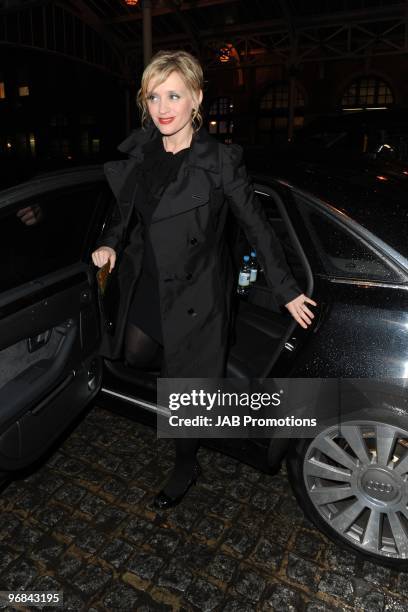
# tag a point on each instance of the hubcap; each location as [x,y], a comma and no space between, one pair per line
[356,476]
[380,486]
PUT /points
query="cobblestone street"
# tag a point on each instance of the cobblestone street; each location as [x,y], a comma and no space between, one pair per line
[82,524]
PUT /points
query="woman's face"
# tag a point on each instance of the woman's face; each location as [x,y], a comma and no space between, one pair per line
[170,105]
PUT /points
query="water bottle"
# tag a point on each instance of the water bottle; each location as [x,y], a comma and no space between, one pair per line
[253,266]
[244,276]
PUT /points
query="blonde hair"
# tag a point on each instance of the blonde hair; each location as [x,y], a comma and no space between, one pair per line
[160,67]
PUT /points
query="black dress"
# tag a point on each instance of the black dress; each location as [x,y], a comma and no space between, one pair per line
[158,169]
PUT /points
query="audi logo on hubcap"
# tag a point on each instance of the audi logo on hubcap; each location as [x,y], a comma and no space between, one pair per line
[379,487]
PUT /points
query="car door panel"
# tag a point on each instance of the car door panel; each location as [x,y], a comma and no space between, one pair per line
[17,357]
[42,390]
[25,389]
[49,331]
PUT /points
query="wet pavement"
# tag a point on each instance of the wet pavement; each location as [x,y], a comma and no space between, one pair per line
[82,524]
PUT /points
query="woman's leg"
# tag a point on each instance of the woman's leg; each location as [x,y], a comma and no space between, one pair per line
[141,351]
[186,449]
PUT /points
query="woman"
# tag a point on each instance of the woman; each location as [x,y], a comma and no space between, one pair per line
[176,281]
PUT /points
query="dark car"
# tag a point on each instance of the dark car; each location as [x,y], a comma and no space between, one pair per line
[346,243]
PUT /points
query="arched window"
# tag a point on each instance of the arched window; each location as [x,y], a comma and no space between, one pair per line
[220,118]
[277,96]
[274,111]
[367,92]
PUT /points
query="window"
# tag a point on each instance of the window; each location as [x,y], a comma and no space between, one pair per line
[341,254]
[90,145]
[46,233]
[59,120]
[22,144]
[23,91]
[279,226]
[2,91]
[32,143]
[85,142]
[96,145]
[367,92]
[274,110]
[277,96]
[86,119]
[221,106]
[60,147]
[281,123]
[221,119]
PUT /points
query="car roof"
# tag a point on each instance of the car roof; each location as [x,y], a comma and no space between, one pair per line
[49,181]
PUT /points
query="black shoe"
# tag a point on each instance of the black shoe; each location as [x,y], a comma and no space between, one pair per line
[162,501]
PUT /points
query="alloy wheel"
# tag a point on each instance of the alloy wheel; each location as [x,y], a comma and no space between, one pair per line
[356,476]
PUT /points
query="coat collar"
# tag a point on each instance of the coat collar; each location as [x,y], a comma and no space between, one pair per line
[203,153]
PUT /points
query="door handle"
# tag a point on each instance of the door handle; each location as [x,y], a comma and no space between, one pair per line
[291,344]
[36,342]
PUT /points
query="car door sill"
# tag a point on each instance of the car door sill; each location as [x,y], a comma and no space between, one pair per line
[150,406]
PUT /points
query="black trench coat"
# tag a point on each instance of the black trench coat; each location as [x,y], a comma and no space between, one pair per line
[196,280]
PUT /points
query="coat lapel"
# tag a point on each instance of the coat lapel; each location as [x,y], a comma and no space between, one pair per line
[191,188]
[182,194]
[188,190]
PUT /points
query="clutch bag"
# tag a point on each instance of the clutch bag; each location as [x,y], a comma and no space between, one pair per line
[108,296]
[102,276]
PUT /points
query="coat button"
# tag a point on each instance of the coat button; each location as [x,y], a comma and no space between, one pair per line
[192,312]
[193,241]
[189,276]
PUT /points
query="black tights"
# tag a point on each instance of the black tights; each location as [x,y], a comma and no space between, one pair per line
[145,353]
[186,449]
[141,351]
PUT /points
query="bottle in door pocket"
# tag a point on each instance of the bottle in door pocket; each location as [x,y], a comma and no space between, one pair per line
[253,266]
[244,278]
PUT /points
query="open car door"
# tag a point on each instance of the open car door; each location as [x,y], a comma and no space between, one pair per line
[49,322]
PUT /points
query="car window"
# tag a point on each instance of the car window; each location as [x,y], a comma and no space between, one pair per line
[46,233]
[339,253]
[279,227]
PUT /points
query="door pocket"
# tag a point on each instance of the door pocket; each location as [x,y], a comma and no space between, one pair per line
[18,357]
[38,379]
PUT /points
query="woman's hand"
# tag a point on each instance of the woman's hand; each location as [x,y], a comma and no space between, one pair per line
[299,311]
[102,255]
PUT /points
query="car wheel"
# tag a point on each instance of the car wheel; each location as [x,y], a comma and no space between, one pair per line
[351,480]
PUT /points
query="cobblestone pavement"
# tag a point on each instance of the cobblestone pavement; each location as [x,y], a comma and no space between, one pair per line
[82,524]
